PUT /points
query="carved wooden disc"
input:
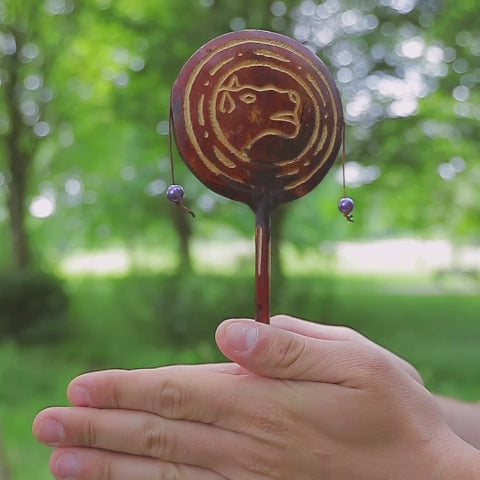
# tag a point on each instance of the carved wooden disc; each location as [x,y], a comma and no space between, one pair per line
[257,117]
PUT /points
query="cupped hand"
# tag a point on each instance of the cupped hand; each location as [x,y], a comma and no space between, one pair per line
[302,401]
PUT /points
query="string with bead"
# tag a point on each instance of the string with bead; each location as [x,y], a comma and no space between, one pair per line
[346,204]
[175,192]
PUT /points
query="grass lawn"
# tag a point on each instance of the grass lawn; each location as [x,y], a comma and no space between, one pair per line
[146,321]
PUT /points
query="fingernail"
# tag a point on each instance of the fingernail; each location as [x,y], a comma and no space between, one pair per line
[51,432]
[242,336]
[67,467]
[80,396]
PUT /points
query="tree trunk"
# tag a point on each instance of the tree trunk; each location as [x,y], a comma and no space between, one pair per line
[19,162]
[16,208]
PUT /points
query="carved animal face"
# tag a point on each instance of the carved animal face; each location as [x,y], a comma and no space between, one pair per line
[247,113]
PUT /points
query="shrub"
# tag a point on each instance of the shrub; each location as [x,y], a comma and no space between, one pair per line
[33,307]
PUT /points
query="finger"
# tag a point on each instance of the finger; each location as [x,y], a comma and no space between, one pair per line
[272,352]
[86,464]
[139,389]
[331,332]
[226,368]
[227,401]
[314,330]
[139,433]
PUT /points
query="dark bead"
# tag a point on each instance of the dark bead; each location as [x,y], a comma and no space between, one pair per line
[175,193]
[346,205]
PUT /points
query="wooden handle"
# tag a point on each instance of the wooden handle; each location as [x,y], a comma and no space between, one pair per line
[263,238]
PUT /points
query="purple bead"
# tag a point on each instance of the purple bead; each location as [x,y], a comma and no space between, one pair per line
[346,205]
[175,193]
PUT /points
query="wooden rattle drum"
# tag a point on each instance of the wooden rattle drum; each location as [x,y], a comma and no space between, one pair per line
[257,118]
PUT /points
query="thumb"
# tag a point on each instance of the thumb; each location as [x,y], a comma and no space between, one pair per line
[273,352]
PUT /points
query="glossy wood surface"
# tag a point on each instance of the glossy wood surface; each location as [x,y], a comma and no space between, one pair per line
[257,118]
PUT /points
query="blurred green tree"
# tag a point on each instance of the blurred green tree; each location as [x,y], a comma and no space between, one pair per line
[84,119]
[86,97]
[407,71]
[31,37]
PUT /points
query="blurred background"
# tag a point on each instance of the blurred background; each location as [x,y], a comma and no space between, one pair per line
[98,270]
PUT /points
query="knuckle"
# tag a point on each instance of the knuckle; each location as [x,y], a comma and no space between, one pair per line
[107,470]
[156,442]
[269,421]
[116,395]
[260,465]
[289,351]
[169,399]
[414,373]
[349,333]
[375,364]
[169,471]
[90,433]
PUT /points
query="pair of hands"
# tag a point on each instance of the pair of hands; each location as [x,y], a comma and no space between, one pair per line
[301,401]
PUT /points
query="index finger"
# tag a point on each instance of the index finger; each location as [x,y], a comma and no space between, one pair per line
[179,393]
[332,332]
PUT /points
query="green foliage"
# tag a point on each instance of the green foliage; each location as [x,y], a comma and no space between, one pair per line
[33,307]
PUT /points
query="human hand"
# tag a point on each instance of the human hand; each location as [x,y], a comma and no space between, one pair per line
[334,406]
